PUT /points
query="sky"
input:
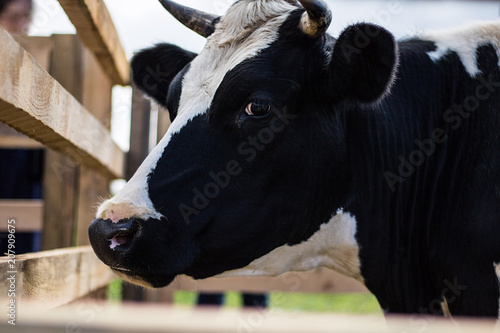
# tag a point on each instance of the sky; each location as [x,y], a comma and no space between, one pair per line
[142,23]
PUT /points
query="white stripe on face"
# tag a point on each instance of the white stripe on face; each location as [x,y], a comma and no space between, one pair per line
[249,27]
[465,42]
[333,246]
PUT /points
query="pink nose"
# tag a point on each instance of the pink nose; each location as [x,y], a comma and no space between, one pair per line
[115,217]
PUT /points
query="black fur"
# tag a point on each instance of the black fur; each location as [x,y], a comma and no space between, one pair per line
[363,63]
[154,69]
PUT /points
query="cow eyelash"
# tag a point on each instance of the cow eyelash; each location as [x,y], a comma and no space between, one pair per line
[258,108]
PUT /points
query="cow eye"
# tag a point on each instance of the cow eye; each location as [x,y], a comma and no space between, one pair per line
[258,108]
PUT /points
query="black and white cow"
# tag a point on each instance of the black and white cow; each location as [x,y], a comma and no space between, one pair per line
[290,150]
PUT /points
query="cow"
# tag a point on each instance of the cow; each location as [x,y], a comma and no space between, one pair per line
[290,149]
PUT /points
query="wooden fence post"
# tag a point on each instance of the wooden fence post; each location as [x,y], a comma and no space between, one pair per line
[61,173]
[72,191]
[163,123]
[93,186]
[139,132]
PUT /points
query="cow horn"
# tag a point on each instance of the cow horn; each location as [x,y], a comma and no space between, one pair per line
[198,21]
[316,19]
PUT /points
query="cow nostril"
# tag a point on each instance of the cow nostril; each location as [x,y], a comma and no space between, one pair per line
[122,238]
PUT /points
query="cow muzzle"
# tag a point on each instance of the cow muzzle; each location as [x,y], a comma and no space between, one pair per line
[111,241]
[143,252]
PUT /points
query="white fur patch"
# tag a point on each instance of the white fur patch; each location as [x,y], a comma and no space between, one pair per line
[249,27]
[465,41]
[333,246]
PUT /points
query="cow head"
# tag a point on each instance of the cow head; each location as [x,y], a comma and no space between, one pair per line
[255,159]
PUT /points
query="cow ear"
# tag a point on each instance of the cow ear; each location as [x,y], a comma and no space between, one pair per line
[153,69]
[364,62]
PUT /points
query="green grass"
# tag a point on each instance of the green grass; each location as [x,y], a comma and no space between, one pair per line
[339,303]
[187,298]
[115,291]
[233,299]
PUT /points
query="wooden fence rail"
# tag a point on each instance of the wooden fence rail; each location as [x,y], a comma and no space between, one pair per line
[52,278]
[33,103]
[97,31]
[51,110]
[98,318]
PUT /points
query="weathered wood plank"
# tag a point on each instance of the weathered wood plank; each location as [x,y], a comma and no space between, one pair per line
[60,180]
[18,142]
[27,214]
[61,173]
[53,278]
[97,31]
[139,132]
[93,187]
[163,123]
[97,89]
[33,103]
[98,318]
[39,47]
[318,281]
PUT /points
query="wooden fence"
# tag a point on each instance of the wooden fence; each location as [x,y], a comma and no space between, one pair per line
[56,92]
[99,318]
